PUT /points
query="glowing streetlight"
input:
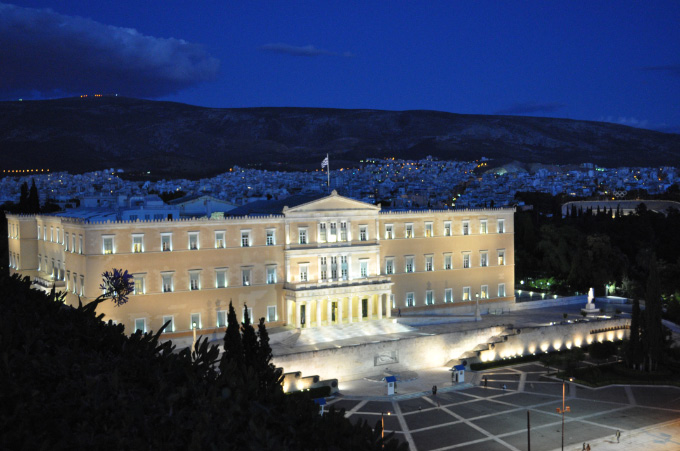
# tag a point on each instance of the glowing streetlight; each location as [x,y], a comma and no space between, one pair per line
[193,345]
[563,410]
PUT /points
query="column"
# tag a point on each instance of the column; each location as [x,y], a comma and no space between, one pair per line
[349,309]
[297,315]
[329,312]
[318,312]
[308,314]
[370,307]
[360,309]
[388,305]
[379,297]
[339,317]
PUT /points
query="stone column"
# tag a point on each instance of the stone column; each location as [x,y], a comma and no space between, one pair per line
[308,314]
[318,312]
[329,312]
[349,310]
[339,317]
[360,309]
[298,324]
[379,297]
[388,305]
[370,307]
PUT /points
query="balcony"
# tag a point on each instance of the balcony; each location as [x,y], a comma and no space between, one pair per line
[337,283]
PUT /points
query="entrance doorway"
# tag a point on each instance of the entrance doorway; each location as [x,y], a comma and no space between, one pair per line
[334,309]
[303,315]
[364,308]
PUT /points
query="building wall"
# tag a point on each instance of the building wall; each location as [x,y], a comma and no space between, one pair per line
[109,245]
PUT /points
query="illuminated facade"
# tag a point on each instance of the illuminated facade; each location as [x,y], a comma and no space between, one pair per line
[330,261]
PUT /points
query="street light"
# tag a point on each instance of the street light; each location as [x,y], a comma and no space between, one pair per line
[193,345]
[382,431]
[563,410]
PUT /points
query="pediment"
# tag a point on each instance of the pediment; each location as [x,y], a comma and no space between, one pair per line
[332,203]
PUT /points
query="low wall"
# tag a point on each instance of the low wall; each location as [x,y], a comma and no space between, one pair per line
[370,359]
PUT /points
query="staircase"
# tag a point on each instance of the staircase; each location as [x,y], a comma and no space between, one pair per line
[325,334]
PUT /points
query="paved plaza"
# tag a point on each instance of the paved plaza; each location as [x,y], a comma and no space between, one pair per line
[470,416]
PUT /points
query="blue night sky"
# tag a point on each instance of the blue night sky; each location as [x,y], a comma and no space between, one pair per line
[595,60]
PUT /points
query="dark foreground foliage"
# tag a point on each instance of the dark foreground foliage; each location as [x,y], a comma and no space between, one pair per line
[71,381]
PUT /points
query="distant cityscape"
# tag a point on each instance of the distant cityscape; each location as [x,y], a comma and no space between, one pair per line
[396,184]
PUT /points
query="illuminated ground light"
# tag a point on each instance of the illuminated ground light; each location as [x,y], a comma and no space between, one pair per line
[568,344]
[619,334]
[578,341]
[532,349]
[557,345]
[545,347]
[589,340]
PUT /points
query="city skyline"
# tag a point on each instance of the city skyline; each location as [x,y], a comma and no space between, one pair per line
[604,62]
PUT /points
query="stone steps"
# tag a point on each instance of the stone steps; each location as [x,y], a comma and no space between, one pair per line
[336,332]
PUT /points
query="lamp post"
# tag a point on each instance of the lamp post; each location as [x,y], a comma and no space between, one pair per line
[563,410]
[382,431]
[193,345]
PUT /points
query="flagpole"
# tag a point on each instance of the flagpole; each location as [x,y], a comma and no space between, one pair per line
[328,172]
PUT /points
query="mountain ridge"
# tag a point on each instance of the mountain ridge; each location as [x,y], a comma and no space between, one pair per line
[172,139]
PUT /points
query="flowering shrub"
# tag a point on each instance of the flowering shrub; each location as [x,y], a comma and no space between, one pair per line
[117,285]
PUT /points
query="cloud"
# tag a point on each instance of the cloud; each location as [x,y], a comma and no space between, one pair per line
[49,53]
[531,108]
[306,50]
[670,69]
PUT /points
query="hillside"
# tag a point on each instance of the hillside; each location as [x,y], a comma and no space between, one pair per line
[178,140]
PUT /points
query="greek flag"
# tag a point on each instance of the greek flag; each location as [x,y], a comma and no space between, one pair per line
[324,163]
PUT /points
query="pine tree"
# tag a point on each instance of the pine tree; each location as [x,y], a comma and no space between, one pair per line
[634,351]
[233,348]
[249,341]
[270,376]
[653,337]
[23,198]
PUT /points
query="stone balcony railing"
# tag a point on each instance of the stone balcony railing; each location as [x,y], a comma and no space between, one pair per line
[316,285]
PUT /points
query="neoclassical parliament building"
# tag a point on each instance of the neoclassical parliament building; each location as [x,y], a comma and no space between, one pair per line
[333,260]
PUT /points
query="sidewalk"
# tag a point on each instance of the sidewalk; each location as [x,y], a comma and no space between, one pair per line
[659,437]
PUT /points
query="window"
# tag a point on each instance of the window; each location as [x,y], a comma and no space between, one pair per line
[271,274]
[137,243]
[166,242]
[334,267]
[363,233]
[409,231]
[448,295]
[393,302]
[323,269]
[250,314]
[501,257]
[245,238]
[344,269]
[409,264]
[447,228]
[51,234]
[195,321]
[58,236]
[429,297]
[466,227]
[304,272]
[343,231]
[166,282]
[322,232]
[483,258]
[410,300]
[44,233]
[80,244]
[466,293]
[38,231]
[271,237]
[139,284]
[363,268]
[333,232]
[221,318]
[221,278]
[466,260]
[107,244]
[271,313]
[428,229]
[429,263]
[389,232]
[68,279]
[302,235]
[171,323]
[246,277]
[219,240]
[483,227]
[501,226]
[73,242]
[193,241]
[194,280]
[501,290]
[389,265]
[75,283]
[484,292]
[140,325]
[447,261]
[66,239]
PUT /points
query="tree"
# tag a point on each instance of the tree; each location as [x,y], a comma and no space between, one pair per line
[634,348]
[23,198]
[653,333]
[602,351]
[33,201]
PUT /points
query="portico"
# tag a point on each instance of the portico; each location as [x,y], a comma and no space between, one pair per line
[325,304]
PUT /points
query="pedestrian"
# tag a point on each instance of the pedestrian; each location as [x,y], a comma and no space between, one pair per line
[618,436]
[504,387]
[399,312]
[584,447]
[588,447]
[486,381]
[435,390]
